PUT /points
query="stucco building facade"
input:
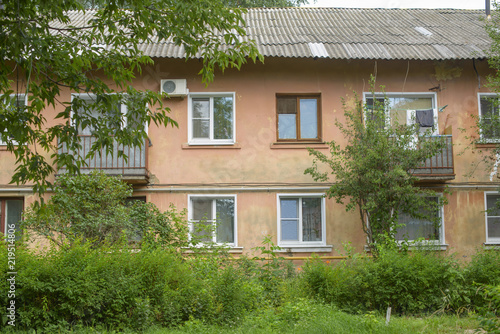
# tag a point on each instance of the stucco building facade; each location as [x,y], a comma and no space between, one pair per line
[240,150]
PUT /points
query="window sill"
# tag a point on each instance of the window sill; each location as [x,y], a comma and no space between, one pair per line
[492,245]
[300,145]
[305,249]
[3,147]
[229,249]
[187,146]
[426,246]
[491,144]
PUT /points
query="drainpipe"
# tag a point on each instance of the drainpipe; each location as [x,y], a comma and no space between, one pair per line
[488,10]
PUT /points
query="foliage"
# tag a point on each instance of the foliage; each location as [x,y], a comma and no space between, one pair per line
[408,283]
[483,269]
[46,55]
[112,289]
[273,269]
[92,207]
[489,318]
[373,171]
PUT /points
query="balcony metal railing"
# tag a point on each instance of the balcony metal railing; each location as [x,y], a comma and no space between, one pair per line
[134,167]
[440,165]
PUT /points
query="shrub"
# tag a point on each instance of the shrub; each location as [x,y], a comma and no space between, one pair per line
[408,283]
[490,313]
[483,269]
[92,207]
[112,287]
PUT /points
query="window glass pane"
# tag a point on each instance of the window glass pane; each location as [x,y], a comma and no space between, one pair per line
[491,205]
[201,128]
[202,209]
[494,228]
[287,126]
[287,105]
[308,118]
[290,230]
[223,117]
[201,108]
[490,122]
[372,116]
[89,129]
[225,220]
[409,103]
[115,117]
[398,117]
[13,214]
[289,208]
[311,219]
[487,107]
[418,228]
[16,101]
[203,231]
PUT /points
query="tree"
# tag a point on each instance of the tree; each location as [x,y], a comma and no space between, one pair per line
[43,53]
[373,172]
[93,208]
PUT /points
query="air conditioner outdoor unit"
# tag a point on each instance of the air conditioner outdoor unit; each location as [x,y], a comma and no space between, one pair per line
[174,87]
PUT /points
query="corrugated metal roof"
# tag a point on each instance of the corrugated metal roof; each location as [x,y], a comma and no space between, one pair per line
[350,33]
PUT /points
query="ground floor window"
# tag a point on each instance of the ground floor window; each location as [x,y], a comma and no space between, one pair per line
[11,210]
[413,229]
[301,219]
[492,217]
[213,218]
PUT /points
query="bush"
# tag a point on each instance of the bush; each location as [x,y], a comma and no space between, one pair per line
[93,207]
[408,283]
[108,286]
[483,269]
[490,313]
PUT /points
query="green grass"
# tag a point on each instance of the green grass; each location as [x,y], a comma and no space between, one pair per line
[327,319]
[308,317]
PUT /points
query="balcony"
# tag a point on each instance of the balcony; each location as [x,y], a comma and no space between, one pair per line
[132,170]
[439,167]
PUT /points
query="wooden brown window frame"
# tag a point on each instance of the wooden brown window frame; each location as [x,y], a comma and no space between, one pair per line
[297,123]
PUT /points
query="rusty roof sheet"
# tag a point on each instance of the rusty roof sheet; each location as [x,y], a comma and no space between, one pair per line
[353,33]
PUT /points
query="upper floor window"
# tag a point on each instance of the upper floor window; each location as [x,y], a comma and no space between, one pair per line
[489,118]
[407,109]
[298,117]
[428,230]
[301,219]
[12,102]
[11,210]
[213,218]
[211,118]
[115,117]
[492,217]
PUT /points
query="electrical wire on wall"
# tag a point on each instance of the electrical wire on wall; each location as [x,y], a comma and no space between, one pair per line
[477,74]
[406,76]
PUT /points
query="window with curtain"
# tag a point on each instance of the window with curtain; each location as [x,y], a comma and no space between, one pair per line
[213,219]
[492,218]
[415,228]
[11,210]
[489,118]
[301,220]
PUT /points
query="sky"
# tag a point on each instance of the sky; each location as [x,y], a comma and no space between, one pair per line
[464,4]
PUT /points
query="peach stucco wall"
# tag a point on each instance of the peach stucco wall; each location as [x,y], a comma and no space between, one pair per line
[255,170]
